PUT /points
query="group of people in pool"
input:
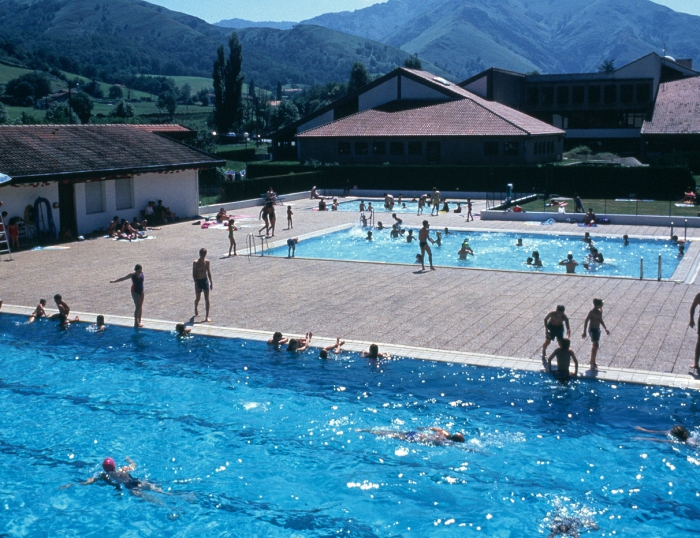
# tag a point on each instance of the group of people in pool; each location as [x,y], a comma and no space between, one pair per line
[302,344]
[591,261]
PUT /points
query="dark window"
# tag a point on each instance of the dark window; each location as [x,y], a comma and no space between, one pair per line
[626,93]
[361,148]
[547,95]
[550,146]
[610,93]
[378,148]
[510,148]
[396,148]
[562,95]
[433,150]
[490,148]
[344,148]
[415,148]
[643,93]
[578,94]
[532,96]
[594,94]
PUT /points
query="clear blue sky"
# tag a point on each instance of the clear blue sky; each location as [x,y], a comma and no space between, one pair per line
[297,10]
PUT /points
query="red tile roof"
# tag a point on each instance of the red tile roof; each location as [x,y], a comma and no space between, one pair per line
[677,109]
[74,151]
[464,117]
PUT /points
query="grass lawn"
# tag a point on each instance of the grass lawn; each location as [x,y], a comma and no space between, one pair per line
[9,72]
[621,208]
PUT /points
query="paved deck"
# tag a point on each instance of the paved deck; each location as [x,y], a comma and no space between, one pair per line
[489,313]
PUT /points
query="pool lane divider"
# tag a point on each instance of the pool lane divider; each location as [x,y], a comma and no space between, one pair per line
[609,374]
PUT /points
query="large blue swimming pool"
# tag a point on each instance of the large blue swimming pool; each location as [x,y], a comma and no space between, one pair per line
[252,441]
[496,250]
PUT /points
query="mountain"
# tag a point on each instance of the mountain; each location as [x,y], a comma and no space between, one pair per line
[113,39]
[551,36]
[242,23]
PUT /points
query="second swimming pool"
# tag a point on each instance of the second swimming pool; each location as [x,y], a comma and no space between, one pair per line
[496,250]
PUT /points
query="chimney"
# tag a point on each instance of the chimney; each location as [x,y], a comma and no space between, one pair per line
[686,62]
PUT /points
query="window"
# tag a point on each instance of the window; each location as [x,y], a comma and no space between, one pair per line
[433,150]
[344,148]
[594,94]
[415,148]
[547,95]
[510,148]
[643,93]
[610,93]
[533,96]
[396,148]
[361,148]
[124,193]
[626,93]
[490,149]
[94,197]
[562,95]
[578,94]
[378,148]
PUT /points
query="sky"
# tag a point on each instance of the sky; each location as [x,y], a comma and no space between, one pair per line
[296,10]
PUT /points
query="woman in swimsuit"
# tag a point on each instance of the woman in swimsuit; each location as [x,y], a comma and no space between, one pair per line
[264,217]
[137,292]
[272,217]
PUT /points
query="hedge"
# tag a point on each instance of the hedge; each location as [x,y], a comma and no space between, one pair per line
[241,154]
[658,183]
[253,188]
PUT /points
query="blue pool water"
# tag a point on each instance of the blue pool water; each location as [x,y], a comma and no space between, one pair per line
[251,441]
[495,250]
[378,205]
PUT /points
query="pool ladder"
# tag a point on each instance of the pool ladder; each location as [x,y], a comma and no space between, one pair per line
[253,246]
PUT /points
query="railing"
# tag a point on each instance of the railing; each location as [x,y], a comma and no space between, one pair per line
[250,242]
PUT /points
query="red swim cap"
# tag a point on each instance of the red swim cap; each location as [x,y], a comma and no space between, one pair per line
[108,465]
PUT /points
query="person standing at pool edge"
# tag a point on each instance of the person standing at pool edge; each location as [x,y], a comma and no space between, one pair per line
[137,292]
[695,304]
[423,238]
[201,274]
[595,318]
[554,328]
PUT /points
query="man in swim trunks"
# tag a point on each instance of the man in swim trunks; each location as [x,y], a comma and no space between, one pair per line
[554,328]
[120,478]
[695,304]
[201,274]
[595,318]
[423,238]
[428,436]
[436,202]
[569,263]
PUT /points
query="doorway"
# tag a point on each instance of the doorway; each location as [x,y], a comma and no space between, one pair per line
[66,207]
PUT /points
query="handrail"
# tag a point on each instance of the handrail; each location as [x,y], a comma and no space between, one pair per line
[264,242]
[250,242]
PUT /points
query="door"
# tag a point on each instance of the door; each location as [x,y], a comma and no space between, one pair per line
[66,205]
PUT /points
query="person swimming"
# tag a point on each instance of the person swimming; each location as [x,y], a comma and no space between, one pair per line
[120,478]
[677,433]
[428,436]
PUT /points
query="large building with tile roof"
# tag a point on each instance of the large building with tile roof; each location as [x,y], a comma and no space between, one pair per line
[413,117]
[83,175]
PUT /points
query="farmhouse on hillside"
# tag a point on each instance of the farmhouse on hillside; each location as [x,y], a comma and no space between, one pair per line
[77,177]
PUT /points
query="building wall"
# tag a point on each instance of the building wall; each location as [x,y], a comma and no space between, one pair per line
[178,190]
[382,94]
[411,89]
[16,198]
[480,86]
[315,122]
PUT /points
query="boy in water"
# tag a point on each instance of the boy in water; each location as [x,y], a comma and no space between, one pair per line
[595,318]
[277,339]
[554,323]
[410,237]
[63,311]
[466,249]
[39,311]
[181,330]
[98,326]
[335,348]
[570,263]
[564,355]
[373,353]
[423,238]
[299,344]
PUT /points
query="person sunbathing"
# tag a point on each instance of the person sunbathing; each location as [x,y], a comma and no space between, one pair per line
[221,216]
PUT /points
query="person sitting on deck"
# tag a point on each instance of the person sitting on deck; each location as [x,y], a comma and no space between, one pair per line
[689,197]
[221,216]
[590,217]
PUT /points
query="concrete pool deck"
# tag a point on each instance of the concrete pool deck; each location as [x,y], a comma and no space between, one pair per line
[496,316]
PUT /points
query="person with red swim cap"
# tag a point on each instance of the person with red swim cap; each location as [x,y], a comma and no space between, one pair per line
[120,478]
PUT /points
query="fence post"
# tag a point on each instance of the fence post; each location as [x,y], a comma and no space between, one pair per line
[659,268]
[685,235]
[671,229]
[641,268]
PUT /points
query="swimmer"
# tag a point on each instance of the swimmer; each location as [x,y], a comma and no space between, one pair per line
[446,231]
[536,261]
[39,311]
[410,237]
[438,238]
[277,339]
[563,525]
[626,240]
[554,323]
[677,433]
[466,249]
[677,241]
[428,436]
[421,205]
[423,238]
[63,311]
[181,330]
[373,353]
[570,263]
[370,208]
[335,348]
[299,344]
[395,232]
[403,205]
[520,242]
[529,260]
[334,206]
[292,246]
[419,258]
[595,318]
[369,236]
[120,478]
[587,238]
[564,355]
[681,250]
[380,226]
[98,326]
[362,205]
[397,220]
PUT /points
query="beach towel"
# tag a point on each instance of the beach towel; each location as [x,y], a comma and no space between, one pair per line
[547,222]
[582,225]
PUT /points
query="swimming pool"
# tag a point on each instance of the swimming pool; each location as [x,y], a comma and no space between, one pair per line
[378,205]
[495,250]
[250,441]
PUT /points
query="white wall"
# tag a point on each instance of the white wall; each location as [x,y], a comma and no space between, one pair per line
[16,199]
[415,90]
[179,190]
[382,94]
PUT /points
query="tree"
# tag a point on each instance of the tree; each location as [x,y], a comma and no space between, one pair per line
[115,92]
[93,88]
[412,62]
[123,110]
[218,79]
[228,86]
[61,113]
[284,114]
[168,102]
[3,114]
[608,66]
[359,76]
[279,90]
[34,86]
[186,93]
[82,105]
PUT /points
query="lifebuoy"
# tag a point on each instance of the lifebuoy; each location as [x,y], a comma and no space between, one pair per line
[29,214]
